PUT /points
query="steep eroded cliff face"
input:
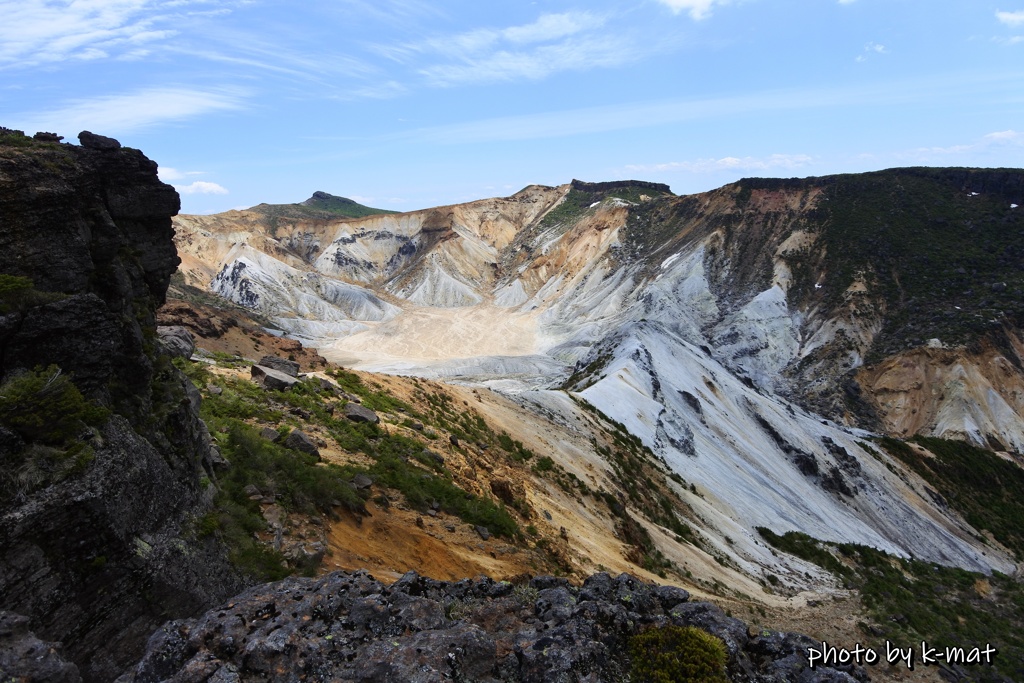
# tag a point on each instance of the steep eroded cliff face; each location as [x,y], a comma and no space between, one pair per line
[96,516]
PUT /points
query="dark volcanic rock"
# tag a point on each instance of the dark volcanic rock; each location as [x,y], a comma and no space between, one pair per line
[349,627]
[98,142]
[358,413]
[23,657]
[300,441]
[102,557]
[288,367]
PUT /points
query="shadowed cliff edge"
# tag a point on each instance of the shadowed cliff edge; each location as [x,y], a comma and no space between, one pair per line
[95,519]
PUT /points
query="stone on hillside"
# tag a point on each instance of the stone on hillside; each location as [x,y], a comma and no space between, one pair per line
[328,384]
[176,340]
[271,435]
[359,413]
[98,142]
[288,367]
[270,378]
[506,491]
[218,460]
[361,481]
[483,531]
[300,441]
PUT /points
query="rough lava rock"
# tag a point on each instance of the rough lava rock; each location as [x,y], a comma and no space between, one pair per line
[350,627]
[25,658]
[100,143]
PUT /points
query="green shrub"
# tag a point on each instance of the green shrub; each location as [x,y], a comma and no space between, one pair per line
[421,488]
[545,464]
[50,415]
[18,293]
[45,406]
[677,654]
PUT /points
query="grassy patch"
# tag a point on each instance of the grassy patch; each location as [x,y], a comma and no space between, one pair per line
[911,601]
[18,293]
[980,485]
[47,417]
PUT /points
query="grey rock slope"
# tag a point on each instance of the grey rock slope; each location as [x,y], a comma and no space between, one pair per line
[349,627]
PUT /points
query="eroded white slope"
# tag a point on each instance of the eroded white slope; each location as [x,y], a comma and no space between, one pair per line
[761,461]
[266,285]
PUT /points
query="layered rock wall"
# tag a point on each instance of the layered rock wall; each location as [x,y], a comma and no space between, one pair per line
[100,557]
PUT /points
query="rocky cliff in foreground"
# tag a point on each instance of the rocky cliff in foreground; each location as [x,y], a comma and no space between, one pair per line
[349,627]
[105,461]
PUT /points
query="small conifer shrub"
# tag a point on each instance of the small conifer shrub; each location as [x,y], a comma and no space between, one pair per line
[677,654]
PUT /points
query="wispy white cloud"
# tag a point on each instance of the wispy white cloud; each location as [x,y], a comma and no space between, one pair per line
[990,142]
[377,91]
[769,163]
[846,2]
[871,48]
[697,9]
[510,65]
[1011,19]
[603,119]
[569,41]
[201,187]
[44,31]
[169,175]
[117,114]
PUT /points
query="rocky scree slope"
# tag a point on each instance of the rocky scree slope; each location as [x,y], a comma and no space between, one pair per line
[105,461]
[728,330]
[350,627]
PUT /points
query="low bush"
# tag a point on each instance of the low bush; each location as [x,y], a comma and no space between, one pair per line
[677,654]
[50,417]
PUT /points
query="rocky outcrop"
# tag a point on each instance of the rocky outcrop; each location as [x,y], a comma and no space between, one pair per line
[176,341]
[99,558]
[288,367]
[350,627]
[23,657]
[269,378]
[93,228]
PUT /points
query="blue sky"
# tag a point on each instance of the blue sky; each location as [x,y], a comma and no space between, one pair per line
[405,104]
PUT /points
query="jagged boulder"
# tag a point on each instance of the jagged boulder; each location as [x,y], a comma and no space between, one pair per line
[270,378]
[100,143]
[288,367]
[300,441]
[176,340]
[360,413]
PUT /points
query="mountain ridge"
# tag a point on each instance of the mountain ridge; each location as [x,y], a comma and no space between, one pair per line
[705,324]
